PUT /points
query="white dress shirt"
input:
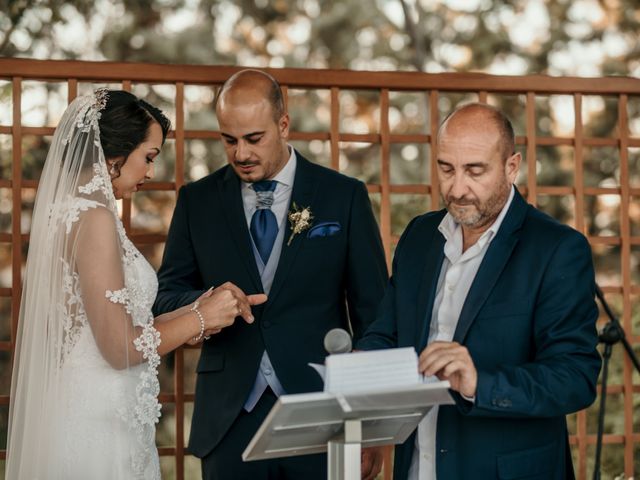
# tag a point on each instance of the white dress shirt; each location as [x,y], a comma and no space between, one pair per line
[456,276]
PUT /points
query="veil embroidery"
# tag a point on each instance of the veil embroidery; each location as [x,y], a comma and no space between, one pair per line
[72,310]
[68,331]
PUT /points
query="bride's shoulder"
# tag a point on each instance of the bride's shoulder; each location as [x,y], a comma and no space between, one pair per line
[67,215]
[98,230]
[98,216]
[96,211]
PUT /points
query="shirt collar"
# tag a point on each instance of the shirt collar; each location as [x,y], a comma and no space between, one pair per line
[448,226]
[288,172]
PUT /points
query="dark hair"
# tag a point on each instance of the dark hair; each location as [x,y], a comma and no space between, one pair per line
[272,92]
[124,124]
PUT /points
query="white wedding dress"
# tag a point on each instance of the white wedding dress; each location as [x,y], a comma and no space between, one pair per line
[109,415]
[84,393]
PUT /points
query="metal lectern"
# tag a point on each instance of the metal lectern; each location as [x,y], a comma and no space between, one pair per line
[341,424]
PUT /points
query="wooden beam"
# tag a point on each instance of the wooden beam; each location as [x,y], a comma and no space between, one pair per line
[302,77]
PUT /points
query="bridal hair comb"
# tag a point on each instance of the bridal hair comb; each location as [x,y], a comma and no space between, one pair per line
[101,96]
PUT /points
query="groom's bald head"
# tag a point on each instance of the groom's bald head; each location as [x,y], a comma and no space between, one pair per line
[256,84]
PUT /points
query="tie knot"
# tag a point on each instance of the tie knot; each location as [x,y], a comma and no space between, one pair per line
[265,186]
[264,191]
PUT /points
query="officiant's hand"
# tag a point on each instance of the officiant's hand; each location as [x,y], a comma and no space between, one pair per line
[371,462]
[225,303]
[450,361]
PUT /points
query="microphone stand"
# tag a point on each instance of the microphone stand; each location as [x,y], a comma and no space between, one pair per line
[611,334]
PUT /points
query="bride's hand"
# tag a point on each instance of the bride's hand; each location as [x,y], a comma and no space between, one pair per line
[207,333]
[206,294]
[221,307]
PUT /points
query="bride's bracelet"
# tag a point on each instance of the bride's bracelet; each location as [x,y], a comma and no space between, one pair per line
[195,310]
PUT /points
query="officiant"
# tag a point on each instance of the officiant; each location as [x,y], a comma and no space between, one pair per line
[498,299]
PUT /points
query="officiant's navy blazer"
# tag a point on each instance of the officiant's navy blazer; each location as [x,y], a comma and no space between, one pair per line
[529,325]
[322,281]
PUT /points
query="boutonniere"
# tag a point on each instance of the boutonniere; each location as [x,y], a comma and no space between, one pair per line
[300,219]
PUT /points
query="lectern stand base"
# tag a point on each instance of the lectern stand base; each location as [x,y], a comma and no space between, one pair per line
[344,456]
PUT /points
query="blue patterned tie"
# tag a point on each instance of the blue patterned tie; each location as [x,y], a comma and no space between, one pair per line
[264,227]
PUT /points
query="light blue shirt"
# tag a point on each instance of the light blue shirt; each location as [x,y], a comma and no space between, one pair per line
[266,376]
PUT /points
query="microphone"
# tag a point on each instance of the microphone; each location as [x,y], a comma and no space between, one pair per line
[337,340]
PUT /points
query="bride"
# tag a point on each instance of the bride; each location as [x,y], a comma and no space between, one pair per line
[84,386]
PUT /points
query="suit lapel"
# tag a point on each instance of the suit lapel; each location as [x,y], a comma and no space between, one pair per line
[231,201]
[492,265]
[428,286]
[304,188]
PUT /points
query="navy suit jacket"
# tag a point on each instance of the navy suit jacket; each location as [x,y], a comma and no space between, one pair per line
[529,324]
[321,283]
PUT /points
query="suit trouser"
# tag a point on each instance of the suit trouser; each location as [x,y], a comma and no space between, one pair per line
[225,461]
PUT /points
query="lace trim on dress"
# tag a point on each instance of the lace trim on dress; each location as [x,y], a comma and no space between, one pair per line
[68,212]
[139,311]
[143,414]
[146,411]
[72,310]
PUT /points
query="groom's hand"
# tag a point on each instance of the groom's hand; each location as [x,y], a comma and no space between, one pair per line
[232,301]
[244,302]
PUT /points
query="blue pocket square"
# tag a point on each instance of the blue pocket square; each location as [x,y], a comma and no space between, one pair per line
[325,229]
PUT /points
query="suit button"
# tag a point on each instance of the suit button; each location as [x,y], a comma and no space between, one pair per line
[266,324]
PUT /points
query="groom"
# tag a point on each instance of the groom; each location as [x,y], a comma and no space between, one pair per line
[272,222]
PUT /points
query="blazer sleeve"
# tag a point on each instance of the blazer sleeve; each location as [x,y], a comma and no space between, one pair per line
[366,268]
[383,332]
[179,279]
[562,376]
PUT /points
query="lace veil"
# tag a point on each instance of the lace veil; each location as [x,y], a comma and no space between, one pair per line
[86,343]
